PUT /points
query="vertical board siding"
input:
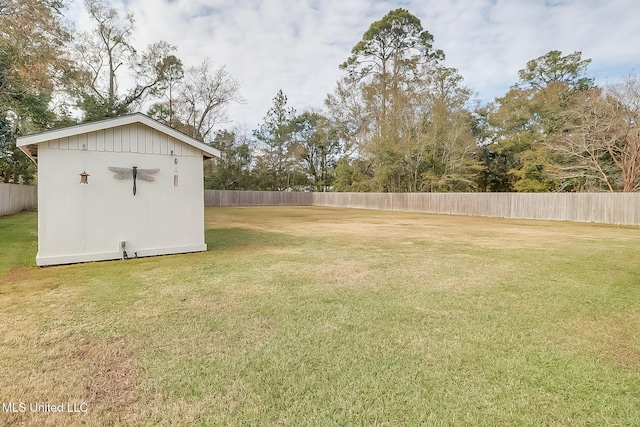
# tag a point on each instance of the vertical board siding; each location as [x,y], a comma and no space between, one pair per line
[83,142]
[157,142]
[605,208]
[125,135]
[133,138]
[91,141]
[132,135]
[73,142]
[141,137]
[15,198]
[117,139]
[100,140]
[177,148]
[108,140]
[164,143]
[148,137]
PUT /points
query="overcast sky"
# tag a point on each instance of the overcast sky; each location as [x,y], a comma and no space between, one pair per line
[297,46]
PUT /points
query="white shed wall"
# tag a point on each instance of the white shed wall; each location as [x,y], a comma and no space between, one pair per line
[85,222]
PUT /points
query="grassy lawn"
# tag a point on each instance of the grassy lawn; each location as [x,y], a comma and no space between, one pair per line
[317,316]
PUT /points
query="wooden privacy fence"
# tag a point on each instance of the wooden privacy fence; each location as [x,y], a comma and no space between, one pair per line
[606,208]
[16,198]
[256,198]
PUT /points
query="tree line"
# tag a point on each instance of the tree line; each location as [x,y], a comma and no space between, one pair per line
[398,120]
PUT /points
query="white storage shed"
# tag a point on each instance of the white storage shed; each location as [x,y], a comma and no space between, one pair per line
[123,187]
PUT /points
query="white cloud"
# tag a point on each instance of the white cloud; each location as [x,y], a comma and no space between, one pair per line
[297,45]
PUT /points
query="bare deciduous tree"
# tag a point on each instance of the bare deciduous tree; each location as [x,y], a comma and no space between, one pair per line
[600,140]
[204,96]
[103,51]
[101,55]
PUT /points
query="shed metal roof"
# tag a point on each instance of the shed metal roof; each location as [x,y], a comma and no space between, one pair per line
[29,143]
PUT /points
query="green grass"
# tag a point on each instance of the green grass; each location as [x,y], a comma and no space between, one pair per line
[18,240]
[317,316]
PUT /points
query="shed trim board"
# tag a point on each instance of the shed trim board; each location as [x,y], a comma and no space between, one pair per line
[107,256]
[144,188]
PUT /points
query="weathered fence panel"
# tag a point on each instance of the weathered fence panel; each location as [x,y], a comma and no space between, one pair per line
[606,208]
[16,198]
[256,198]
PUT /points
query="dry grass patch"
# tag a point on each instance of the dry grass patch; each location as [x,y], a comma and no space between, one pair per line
[111,382]
[615,338]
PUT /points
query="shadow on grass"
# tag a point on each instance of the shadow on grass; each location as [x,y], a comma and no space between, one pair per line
[239,238]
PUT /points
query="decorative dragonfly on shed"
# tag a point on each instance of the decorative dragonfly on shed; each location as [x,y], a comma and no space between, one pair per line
[135,173]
